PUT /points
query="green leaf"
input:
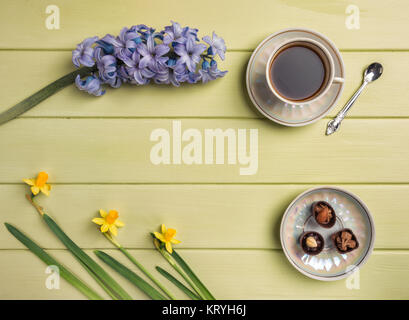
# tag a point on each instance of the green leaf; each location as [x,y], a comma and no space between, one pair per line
[43,94]
[130,275]
[109,284]
[146,272]
[47,259]
[192,276]
[99,281]
[169,258]
[177,283]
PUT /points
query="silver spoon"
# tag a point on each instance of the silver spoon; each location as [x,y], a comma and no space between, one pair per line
[371,73]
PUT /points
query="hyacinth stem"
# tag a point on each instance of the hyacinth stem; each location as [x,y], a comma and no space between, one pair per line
[43,94]
[140,266]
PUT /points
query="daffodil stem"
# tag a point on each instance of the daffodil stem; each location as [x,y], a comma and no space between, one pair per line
[101,277]
[30,199]
[49,260]
[136,263]
[173,263]
[146,272]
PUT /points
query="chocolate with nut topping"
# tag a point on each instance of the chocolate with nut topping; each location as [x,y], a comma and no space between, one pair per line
[324,214]
[312,242]
[345,241]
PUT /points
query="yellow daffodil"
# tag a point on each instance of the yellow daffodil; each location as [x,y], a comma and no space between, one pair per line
[167,237]
[39,184]
[109,221]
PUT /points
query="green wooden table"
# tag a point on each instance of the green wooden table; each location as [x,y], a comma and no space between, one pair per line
[96,150]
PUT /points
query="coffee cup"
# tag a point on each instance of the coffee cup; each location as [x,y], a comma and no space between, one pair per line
[300,71]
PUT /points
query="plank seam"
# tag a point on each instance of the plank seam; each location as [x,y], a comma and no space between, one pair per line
[228,50]
[200,117]
[218,183]
[380,250]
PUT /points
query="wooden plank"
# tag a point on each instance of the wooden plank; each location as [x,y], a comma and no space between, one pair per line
[229,274]
[118,151]
[205,216]
[242,23]
[226,97]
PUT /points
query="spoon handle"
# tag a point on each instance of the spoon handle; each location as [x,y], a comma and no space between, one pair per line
[334,124]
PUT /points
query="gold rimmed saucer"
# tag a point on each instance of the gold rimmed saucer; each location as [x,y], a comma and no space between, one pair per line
[272,107]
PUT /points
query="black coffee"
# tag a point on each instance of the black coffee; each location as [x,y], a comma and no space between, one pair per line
[297,73]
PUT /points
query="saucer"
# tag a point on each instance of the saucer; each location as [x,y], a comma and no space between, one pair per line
[272,107]
[351,213]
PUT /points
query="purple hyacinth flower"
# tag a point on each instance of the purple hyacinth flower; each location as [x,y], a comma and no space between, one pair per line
[123,74]
[214,71]
[193,77]
[134,72]
[152,54]
[91,84]
[175,74]
[189,54]
[176,34]
[84,53]
[106,67]
[125,44]
[210,71]
[145,31]
[139,54]
[205,75]
[171,73]
[114,82]
[178,74]
[216,45]
[162,76]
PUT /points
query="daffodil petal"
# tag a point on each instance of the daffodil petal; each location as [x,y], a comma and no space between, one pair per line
[163,228]
[113,230]
[30,182]
[45,190]
[119,223]
[35,190]
[174,241]
[169,247]
[98,221]
[103,213]
[104,227]
[159,236]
